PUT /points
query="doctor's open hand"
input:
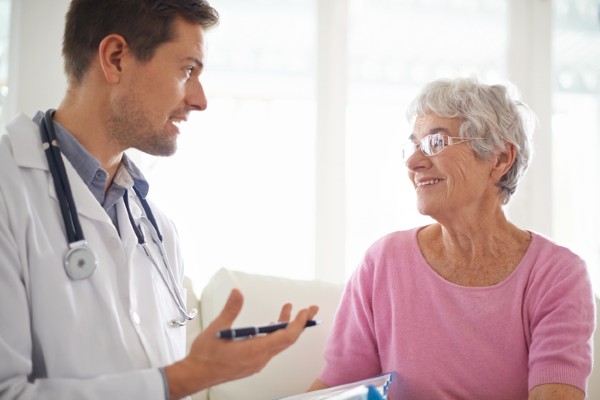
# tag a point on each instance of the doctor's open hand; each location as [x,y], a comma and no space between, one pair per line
[212,360]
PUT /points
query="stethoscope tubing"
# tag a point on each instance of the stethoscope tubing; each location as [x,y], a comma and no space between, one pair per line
[179,301]
[169,280]
[61,180]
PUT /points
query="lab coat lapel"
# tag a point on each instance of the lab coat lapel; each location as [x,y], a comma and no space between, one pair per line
[27,148]
[139,278]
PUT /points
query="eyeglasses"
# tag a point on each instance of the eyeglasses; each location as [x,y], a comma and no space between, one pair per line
[432,145]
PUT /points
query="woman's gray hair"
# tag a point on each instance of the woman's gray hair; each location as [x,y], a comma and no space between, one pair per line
[488,111]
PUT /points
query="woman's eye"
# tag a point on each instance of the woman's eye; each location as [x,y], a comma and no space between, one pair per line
[435,143]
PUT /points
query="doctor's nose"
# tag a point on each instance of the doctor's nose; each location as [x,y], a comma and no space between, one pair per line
[195,97]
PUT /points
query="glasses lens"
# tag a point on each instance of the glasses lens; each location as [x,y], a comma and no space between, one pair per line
[433,144]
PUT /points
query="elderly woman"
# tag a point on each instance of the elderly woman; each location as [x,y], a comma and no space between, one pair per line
[472,306]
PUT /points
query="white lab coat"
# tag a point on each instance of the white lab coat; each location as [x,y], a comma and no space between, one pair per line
[96,338]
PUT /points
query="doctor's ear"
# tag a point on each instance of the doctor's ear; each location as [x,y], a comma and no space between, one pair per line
[111,53]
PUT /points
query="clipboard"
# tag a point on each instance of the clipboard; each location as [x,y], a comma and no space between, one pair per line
[374,388]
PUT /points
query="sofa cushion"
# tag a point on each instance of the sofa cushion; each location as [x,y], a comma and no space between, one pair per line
[293,370]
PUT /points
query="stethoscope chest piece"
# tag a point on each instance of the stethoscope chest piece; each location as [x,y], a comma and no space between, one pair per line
[80,261]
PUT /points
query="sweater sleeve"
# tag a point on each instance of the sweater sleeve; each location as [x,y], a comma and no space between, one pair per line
[562,318]
[351,350]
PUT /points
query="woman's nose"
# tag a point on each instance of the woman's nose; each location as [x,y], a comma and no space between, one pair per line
[417,160]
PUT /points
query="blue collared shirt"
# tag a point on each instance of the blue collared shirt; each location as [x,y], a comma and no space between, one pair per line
[92,174]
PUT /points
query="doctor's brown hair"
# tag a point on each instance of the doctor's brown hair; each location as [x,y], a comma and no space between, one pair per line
[145,24]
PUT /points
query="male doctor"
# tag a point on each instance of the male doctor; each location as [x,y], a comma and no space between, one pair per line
[107,322]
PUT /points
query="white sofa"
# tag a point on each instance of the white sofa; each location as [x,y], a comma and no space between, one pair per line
[292,371]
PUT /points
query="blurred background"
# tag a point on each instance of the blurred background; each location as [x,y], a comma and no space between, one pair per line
[294,169]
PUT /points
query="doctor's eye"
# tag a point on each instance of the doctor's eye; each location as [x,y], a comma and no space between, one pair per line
[189,71]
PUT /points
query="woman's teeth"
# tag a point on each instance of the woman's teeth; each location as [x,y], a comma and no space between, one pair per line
[429,182]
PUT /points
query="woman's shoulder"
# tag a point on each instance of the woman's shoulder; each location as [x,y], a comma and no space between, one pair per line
[548,262]
[397,240]
[394,248]
[545,248]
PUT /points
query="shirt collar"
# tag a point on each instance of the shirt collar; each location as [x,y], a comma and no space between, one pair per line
[89,169]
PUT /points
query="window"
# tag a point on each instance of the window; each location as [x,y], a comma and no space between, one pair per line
[251,163]
[241,186]
[395,47]
[576,129]
[294,169]
[246,184]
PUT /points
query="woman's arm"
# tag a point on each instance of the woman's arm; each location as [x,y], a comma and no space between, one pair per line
[317,385]
[556,391]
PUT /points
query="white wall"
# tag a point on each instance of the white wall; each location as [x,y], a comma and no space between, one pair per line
[36,80]
[530,69]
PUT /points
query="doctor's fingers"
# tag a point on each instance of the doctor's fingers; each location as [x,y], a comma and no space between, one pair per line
[229,313]
[286,312]
[249,356]
[278,341]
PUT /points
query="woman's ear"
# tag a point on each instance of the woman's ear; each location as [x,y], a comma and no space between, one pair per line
[111,52]
[504,161]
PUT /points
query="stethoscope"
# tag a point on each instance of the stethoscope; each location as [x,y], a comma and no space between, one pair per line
[81,261]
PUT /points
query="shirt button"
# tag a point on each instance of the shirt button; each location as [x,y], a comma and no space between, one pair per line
[135,317]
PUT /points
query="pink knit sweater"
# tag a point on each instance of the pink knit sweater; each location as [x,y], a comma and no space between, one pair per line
[447,341]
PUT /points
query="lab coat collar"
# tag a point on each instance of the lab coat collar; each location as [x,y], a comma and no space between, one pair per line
[26,147]
[26,143]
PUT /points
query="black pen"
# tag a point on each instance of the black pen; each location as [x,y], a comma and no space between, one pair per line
[258,330]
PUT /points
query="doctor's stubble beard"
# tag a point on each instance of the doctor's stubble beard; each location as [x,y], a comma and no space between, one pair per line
[130,128]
